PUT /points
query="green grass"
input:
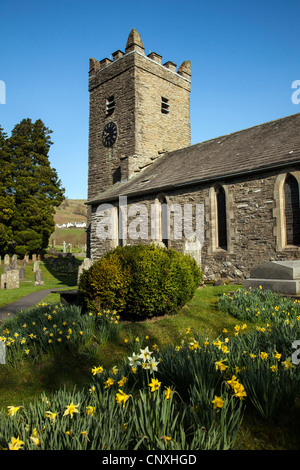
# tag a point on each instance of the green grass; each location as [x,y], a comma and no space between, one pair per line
[201,314]
[51,280]
[50,372]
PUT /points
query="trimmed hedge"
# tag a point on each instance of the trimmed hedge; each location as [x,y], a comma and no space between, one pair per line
[140,281]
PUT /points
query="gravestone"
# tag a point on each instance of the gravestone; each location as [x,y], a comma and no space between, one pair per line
[277,276]
[6,260]
[10,280]
[33,258]
[64,247]
[22,273]
[24,262]
[192,247]
[14,262]
[38,278]
[36,266]
[86,264]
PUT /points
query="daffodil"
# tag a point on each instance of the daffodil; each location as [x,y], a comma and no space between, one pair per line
[264,355]
[168,392]
[90,410]
[145,354]
[71,409]
[121,397]
[287,364]
[153,365]
[51,416]
[97,370]
[15,443]
[109,382]
[217,402]
[122,381]
[134,360]
[154,385]
[35,440]
[277,355]
[12,410]
[220,366]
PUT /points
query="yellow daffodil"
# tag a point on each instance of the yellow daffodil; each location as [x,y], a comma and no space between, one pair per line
[90,410]
[168,392]
[122,381]
[51,416]
[15,443]
[71,409]
[97,370]
[217,402]
[35,440]
[121,397]
[277,355]
[264,355]
[109,382]
[287,364]
[154,385]
[12,410]
[220,366]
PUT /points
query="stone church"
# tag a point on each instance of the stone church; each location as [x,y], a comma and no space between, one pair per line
[239,192]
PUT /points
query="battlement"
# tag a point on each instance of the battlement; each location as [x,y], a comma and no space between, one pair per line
[135,44]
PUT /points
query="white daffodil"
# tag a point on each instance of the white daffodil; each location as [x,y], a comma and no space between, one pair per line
[134,360]
[153,365]
[145,354]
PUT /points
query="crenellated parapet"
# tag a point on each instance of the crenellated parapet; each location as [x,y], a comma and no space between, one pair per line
[135,45]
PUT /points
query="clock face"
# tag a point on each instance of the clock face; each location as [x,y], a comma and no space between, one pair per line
[109,134]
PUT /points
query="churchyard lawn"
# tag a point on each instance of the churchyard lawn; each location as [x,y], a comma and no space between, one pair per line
[83,358]
[56,279]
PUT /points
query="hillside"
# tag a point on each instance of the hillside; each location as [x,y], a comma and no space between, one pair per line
[71,210]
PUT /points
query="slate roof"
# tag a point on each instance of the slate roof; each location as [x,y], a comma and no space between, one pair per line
[268,146]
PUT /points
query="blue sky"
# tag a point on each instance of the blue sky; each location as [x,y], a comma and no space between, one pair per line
[244,57]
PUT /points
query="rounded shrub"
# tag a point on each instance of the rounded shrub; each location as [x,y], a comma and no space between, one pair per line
[140,281]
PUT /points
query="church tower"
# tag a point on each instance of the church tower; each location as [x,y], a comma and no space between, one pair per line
[139,110]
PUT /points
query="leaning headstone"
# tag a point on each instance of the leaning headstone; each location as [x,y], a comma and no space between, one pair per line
[33,258]
[24,262]
[38,278]
[36,266]
[6,259]
[22,273]
[26,257]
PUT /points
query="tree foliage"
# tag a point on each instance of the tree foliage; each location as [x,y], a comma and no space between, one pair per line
[29,189]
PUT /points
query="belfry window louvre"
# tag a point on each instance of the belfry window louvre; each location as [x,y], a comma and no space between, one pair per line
[110,105]
[165,107]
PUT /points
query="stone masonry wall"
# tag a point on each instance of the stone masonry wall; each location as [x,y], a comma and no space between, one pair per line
[251,226]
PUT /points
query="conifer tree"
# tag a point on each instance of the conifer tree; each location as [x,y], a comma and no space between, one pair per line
[34,186]
[6,199]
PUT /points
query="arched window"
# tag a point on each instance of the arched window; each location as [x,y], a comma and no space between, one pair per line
[221,217]
[164,220]
[292,210]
